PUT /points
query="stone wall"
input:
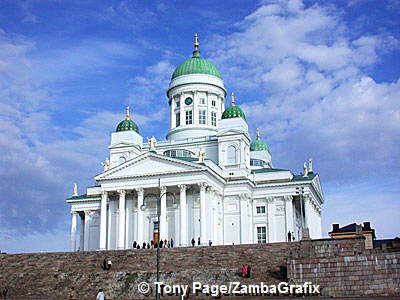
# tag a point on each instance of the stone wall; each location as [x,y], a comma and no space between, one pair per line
[342,267]
[50,275]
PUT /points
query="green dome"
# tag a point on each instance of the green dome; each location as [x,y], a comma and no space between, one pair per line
[258,145]
[127,124]
[233,111]
[196,65]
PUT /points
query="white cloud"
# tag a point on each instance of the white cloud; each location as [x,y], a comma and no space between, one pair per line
[312,90]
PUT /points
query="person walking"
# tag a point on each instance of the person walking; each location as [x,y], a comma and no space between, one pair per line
[248,271]
[289,236]
[244,271]
[100,295]
[134,244]
[198,241]
[209,243]
[171,243]
[193,242]
[5,291]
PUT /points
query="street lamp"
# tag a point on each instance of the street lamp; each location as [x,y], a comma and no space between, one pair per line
[143,208]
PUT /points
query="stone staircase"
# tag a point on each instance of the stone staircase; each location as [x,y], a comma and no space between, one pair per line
[51,275]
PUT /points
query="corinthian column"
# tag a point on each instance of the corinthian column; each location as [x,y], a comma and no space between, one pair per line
[139,225]
[121,229]
[203,220]
[103,221]
[163,215]
[183,216]
[73,231]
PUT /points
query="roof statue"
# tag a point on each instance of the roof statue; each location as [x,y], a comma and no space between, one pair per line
[106,165]
[305,170]
[75,193]
[152,143]
[202,156]
[310,167]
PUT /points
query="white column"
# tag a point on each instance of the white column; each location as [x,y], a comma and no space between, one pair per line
[289,215]
[81,233]
[121,229]
[182,109]
[243,217]
[172,116]
[88,218]
[195,108]
[203,220]
[307,212]
[251,222]
[271,213]
[73,230]
[163,229]
[214,205]
[139,219]
[183,216]
[103,221]
[128,225]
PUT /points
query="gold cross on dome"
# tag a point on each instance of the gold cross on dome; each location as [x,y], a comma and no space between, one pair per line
[196,41]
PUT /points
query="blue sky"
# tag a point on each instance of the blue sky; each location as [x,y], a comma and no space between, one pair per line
[321,79]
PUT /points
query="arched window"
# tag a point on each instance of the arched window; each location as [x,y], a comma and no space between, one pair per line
[231,155]
[121,160]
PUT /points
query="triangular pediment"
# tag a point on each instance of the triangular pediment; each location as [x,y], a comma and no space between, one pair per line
[149,164]
[122,144]
[230,131]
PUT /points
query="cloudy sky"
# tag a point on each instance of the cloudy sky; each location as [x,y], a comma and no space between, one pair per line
[321,79]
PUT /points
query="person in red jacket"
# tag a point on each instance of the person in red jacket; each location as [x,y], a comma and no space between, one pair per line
[244,271]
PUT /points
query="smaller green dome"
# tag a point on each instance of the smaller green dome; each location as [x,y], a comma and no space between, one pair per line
[127,124]
[233,111]
[258,144]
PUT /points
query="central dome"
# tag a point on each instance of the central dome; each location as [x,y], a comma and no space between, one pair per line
[196,64]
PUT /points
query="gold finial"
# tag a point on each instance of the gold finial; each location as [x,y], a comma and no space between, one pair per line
[127,114]
[196,43]
[233,99]
[258,134]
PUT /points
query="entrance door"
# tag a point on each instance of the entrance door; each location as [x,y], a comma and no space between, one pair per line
[155,232]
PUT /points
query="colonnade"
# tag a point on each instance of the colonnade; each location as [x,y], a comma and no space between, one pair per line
[139,220]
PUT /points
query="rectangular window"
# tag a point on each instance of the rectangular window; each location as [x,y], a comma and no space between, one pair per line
[213,118]
[202,116]
[189,117]
[260,210]
[261,235]
[178,119]
[213,103]
[202,101]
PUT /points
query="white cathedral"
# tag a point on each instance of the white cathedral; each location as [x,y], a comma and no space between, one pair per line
[208,180]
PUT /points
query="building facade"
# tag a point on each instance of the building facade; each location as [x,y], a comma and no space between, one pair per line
[209,179]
